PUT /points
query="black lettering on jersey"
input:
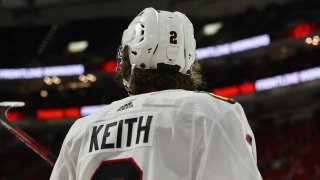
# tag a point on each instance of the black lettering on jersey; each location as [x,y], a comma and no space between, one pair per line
[94,140]
[107,134]
[119,135]
[126,106]
[145,128]
[130,124]
[112,136]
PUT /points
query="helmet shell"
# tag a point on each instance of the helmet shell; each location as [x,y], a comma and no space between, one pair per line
[160,40]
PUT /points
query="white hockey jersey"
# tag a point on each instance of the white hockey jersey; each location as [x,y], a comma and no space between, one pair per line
[165,135]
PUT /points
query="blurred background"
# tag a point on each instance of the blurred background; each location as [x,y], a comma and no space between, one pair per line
[58,56]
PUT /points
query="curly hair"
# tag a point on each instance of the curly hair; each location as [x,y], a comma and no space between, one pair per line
[148,80]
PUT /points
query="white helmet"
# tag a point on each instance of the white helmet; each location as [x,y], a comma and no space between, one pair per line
[160,40]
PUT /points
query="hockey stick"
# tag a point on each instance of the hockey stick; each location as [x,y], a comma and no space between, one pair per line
[21,135]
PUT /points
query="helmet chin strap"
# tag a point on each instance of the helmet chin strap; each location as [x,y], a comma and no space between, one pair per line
[126,83]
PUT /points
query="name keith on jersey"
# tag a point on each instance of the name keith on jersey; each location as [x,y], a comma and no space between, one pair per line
[115,132]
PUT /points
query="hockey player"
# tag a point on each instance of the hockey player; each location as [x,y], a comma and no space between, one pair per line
[165,130]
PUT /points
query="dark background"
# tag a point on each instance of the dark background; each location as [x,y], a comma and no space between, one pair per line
[285,120]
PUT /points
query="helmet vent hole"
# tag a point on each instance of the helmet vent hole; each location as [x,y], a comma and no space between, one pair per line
[141,39]
[134,52]
[142,65]
[142,25]
[142,32]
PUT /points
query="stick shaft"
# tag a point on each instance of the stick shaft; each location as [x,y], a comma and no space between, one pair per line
[26,139]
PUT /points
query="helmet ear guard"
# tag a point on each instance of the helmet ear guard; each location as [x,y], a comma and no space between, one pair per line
[160,40]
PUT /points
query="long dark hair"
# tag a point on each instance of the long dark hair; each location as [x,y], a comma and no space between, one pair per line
[147,80]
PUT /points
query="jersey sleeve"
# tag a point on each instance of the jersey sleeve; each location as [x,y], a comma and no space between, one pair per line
[65,167]
[229,148]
